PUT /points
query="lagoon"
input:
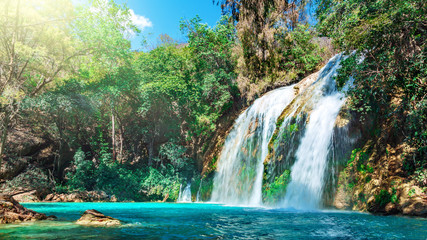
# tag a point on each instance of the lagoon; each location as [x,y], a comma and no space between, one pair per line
[212,221]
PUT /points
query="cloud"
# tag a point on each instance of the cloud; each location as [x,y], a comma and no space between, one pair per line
[140,21]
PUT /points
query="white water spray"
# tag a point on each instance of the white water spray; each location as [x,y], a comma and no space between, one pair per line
[240,167]
[308,172]
[184,195]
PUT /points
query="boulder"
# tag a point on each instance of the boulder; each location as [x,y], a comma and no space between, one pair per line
[94,218]
[10,168]
[33,178]
[113,199]
[413,201]
[13,212]
[97,196]
[80,196]
[23,142]
[30,196]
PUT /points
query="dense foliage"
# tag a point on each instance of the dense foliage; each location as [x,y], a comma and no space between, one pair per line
[138,124]
[389,39]
[277,45]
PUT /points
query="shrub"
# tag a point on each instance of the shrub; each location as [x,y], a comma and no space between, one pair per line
[82,177]
[383,198]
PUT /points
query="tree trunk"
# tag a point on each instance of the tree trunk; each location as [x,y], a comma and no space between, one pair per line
[150,152]
[65,154]
[3,136]
[121,146]
[113,134]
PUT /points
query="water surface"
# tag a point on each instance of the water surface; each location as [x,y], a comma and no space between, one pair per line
[210,221]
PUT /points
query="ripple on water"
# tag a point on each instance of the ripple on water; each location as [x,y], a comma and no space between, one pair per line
[213,221]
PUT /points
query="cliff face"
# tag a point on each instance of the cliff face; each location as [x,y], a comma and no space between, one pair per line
[375,176]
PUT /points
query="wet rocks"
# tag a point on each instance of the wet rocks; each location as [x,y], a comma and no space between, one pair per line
[13,212]
[83,196]
[32,179]
[413,201]
[93,217]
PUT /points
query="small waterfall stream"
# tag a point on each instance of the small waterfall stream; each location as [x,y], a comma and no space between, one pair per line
[184,195]
[240,166]
[198,196]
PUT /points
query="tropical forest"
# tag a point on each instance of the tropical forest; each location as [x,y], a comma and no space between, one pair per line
[213,119]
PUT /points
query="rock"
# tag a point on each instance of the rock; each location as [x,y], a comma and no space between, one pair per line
[74,197]
[412,201]
[391,208]
[95,218]
[51,217]
[24,142]
[30,196]
[49,197]
[97,196]
[80,196]
[342,200]
[305,83]
[13,212]
[10,168]
[33,178]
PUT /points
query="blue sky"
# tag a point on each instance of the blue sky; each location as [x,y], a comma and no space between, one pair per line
[157,17]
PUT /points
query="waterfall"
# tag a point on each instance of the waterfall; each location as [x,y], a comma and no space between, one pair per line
[308,172]
[198,197]
[302,143]
[184,195]
[240,167]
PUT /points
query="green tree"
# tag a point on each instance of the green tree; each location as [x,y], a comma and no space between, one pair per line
[276,45]
[212,88]
[162,74]
[390,37]
[36,49]
[44,42]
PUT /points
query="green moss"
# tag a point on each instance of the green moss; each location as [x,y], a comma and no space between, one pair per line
[212,164]
[279,122]
[411,192]
[365,169]
[383,198]
[394,198]
[353,157]
[206,187]
[274,191]
[362,197]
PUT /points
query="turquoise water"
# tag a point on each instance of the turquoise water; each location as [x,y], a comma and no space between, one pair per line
[209,221]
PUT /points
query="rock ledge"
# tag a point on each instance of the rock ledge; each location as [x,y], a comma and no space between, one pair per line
[13,212]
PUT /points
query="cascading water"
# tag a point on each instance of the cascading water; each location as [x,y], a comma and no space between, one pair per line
[302,143]
[308,172]
[198,197]
[240,167]
[184,195]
